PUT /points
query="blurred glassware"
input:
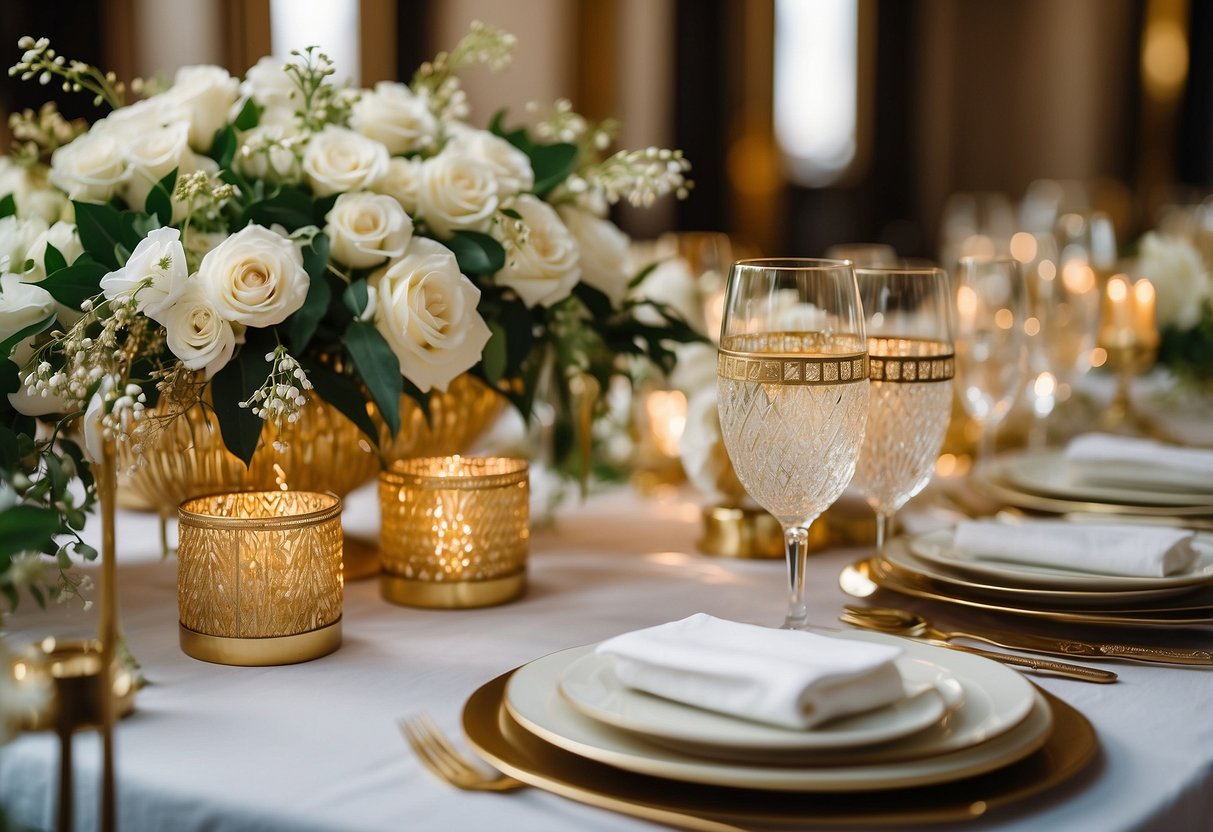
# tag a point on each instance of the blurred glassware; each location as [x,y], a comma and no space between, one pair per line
[1089,238]
[992,309]
[1047,199]
[864,255]
[976,225]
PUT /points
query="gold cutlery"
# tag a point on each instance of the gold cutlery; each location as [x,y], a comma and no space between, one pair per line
[447,763]
[1069,671]
[907,623]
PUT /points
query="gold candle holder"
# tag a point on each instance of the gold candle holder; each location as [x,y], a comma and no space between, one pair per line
[1128,335]
[259,577]
[455,531]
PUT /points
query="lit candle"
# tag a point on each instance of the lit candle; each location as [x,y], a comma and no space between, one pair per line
[1144,322]
[666,411]
[1117,325]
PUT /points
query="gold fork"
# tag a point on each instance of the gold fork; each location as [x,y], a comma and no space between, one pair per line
[447,763]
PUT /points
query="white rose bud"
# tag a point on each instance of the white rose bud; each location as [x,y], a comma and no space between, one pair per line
[63,236]
[207,93]
[427,312]
[255,277]
[394,116]
[604,252]
[401,183]
[337,160]
[456,190]
[365,229]
[545,268]
[267,83]
[89,169]
[151,156]
[509,164]
[17,236]
[21,305]
[197,334]
[156,273]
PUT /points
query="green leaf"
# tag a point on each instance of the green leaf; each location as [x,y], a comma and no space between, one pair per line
[223,148]
[53,260]
[495,353]
[343,393]
[160,199]
[6,346]
[595,300]
[290,207]
[511,213]
[379,368]
[643,274]
[8,206]
[477,253]
[9,450]
[26,528]
[356,297]
[316,257]
[249,117]
[236,382]
[100,228]
[552,164]
[73,285]
[302,324]
[322,207]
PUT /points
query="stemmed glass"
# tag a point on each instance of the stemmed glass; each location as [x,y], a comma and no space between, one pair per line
[910,350]
[792,388]
[991,342]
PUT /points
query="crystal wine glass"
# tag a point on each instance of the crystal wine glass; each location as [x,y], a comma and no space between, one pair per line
[792,384]
[910,350]
[991,343]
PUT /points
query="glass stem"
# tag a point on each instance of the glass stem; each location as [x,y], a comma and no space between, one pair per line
[985,446]
[884,530]
[796,547]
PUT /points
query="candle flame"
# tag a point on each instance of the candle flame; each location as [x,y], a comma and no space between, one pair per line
[1118,289]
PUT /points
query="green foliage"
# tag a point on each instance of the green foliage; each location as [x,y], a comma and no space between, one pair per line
[74,284]
[476,253]
[287,206]
[1189,353]
[159,202]
[379,368]
[343,393]
[8,206]
[249,117]
[236,383]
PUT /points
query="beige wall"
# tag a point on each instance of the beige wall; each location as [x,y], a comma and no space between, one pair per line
[160,44]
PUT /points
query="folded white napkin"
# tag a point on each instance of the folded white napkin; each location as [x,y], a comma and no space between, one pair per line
[788,678]
[1126,460]
[1111,549]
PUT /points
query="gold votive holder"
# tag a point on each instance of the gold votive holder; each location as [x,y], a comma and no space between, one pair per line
[455,531]
[71,670]
[749,534]
[259,577]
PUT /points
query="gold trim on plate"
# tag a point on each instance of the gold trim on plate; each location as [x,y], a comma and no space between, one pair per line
[450,595]
[261,652]
[992,486]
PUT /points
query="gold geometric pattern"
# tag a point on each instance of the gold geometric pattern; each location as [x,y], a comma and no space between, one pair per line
[910,360]
[454,519]
[259,563]
[791,359]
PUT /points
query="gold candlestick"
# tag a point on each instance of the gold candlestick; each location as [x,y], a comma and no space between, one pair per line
[1128,335]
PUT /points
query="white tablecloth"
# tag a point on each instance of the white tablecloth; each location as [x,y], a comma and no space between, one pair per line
[316,747]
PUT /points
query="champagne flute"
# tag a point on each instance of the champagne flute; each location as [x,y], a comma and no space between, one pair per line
[792,386]
[991,342]
[909,330]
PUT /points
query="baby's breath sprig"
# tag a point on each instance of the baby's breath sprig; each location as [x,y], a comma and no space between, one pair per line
[204,195]
[321,102]
[40,60]
[435,80]
[558,123]
[282,396]
[639,176]
[36,135]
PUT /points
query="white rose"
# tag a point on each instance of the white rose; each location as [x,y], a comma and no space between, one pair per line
[456,190]
[89,169]
[22,305]
[1180,278]
[207,93]
[65,237]
[32,195]
[129,122]
[427,312]
[401,183]
[338,160]
[156,273]
[672,284]
[695,368]
[197,333]
[509,164]
[255,277]
[701,447]
[268,152]
[604,252]
[392,115]
[267,83]
[365,229]
[151,156]
[545,268]
[16,238]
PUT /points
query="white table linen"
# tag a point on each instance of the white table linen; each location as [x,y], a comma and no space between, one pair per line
[315,748]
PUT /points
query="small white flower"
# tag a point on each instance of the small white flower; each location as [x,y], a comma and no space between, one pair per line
[394,116]
[604,252]
[337,160]
[207,93]
[156,273]
[365,229]
[457,190]
[401,183]
[427,312]
[255,277]
[544,269]
[90,169]
[63,236]
[197,334]
[267,152]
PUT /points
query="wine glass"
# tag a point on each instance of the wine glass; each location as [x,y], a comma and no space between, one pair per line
[991,342]
[792,387]
[909,331]
[865,255]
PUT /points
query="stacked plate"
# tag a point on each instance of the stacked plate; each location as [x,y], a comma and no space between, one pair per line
[565,722]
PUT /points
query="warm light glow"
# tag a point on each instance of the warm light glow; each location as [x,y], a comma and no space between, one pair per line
[1031,326]
[666,411]
[1023,247]
[1144,292]
[952,465]
[1164,59]
[1099,357]
[1118,289]
[1045,386]
[1079,278]
[1004,318]
[966,302]
[1046,269]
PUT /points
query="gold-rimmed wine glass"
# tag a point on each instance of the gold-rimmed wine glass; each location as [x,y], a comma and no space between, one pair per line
[792,386]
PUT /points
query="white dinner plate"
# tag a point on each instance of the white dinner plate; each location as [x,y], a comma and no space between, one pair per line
[1002,719]
[591,686]
[1047,472]
[937,547]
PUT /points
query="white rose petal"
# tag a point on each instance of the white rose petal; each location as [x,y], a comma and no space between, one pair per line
[152,155]
[197,334]
[401,183]
[1180,278]
[365,229]
[65,237]
[89,169]
[17,236]
[127,123]
[604,252]
[337,160]
[207,93]
[702,450]
[267,83]
[156,273]
[93,430]
[510,165]
[394,116]
[545,268]
[21,305]
[456,190]
[427,312]
[255,277]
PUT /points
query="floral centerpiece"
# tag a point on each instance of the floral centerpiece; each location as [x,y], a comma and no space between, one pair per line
[247,246]
[1181,278]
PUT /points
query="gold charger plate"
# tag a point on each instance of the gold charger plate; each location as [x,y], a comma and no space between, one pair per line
[994,486]
[864,576]
[508,747]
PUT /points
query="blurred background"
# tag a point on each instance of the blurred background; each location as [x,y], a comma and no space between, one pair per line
[932,126]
